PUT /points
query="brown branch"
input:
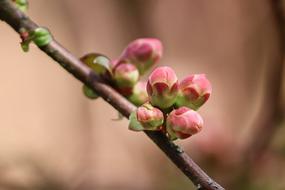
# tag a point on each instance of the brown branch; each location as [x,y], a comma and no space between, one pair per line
[17,20]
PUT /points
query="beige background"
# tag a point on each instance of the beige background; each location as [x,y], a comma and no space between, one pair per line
[47,124]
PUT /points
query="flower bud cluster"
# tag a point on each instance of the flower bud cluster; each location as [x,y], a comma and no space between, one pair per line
[166,104]
[172,104]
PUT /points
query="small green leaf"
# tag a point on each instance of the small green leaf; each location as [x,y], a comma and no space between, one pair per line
[134,123]
[22,5]
[25,46]
[41,36]
[26,39]
[98,63]
[89,93]
[104,62]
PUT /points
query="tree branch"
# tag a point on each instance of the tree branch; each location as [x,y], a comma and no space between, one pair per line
[18,20]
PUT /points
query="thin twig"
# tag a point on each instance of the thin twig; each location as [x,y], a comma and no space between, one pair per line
[17,20]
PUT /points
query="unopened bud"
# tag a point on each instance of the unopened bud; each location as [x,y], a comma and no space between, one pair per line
[41,36]
[194,91]
[150,118]
[183,122]
[162,87]
[139,94]
[143,53]
[125,75]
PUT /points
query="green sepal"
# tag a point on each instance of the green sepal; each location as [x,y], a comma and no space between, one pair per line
[134,124]
[183,101]
[172,137]
[170,134]
[89,93]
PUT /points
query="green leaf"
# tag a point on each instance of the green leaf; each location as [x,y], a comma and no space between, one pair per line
[98,63]
[89,93]
[103,62]
[22,5]
[134,124]
[26,39]
[25,46]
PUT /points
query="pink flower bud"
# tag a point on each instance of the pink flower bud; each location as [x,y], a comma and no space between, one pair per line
[139,94]
[183,122]
[162,87]
[125,75]
[143,53]
[114,63]
[194,91]
[150,118]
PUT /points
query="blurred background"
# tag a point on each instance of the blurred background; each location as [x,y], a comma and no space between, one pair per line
[53,138]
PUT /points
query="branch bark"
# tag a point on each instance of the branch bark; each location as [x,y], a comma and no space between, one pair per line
[18,20]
